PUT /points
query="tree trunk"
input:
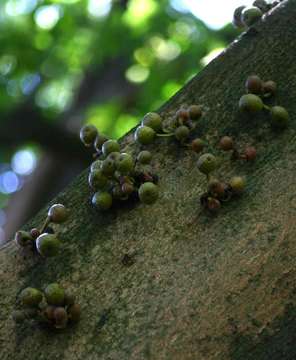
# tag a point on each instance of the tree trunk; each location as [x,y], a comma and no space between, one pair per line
[201,287]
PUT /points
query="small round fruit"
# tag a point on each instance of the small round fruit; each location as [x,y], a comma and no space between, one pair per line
[99,141]
[102,200]
[60,317]
[269,88]
[48,245]
[108,167]
[250,153]
[145,135]
[148,193]
[35,233]
[182,133]
[30,296]
[74,312]
[23,238]
[251,15]
[250,103]
[254,84]
[197,145]
[237,184]
[213,205]
[117,192]
[216,188]
[19,316]
[279,117]
[152,120]
[96,165]
[57,213]
[127,188]
[69,298]
[195,112]
[88,134]
[144,157]
[183,115]
[226,143]
[262,5]
[97,180]
[236,21]
[54,294]
[110,146]
[207,163]
[125,163]
[114,156]
[48,312]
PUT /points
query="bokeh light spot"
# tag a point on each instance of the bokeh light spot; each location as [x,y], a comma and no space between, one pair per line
[24,162]
[99,8]
[20,7]
[137,74]
[9,182]
[46,17]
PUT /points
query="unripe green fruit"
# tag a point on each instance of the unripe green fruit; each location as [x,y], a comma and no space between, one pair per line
[237,184]
[97,180]
[88,134]
[250,103]
[145,135]
[96,165]
[23,238]
[48,245]
[74,312]
[197,145]
[31,296]
[207,163]
[102,200]
[148,193]
[99,141]
[226,143]
[54,294]
[237,21]
[182,133]
[251,15]
[254,84]
[57,213]
[114,156]
[60,317]
[144,157]
[152,120]
[110,146]
[279,117]
[108,167]
[195,112]
[125,163]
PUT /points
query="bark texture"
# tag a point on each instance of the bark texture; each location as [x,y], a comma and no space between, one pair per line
[200,287]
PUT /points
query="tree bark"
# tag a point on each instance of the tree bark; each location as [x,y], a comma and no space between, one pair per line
[201,287]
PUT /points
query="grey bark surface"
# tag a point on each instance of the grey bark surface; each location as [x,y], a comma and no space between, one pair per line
[201,287]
